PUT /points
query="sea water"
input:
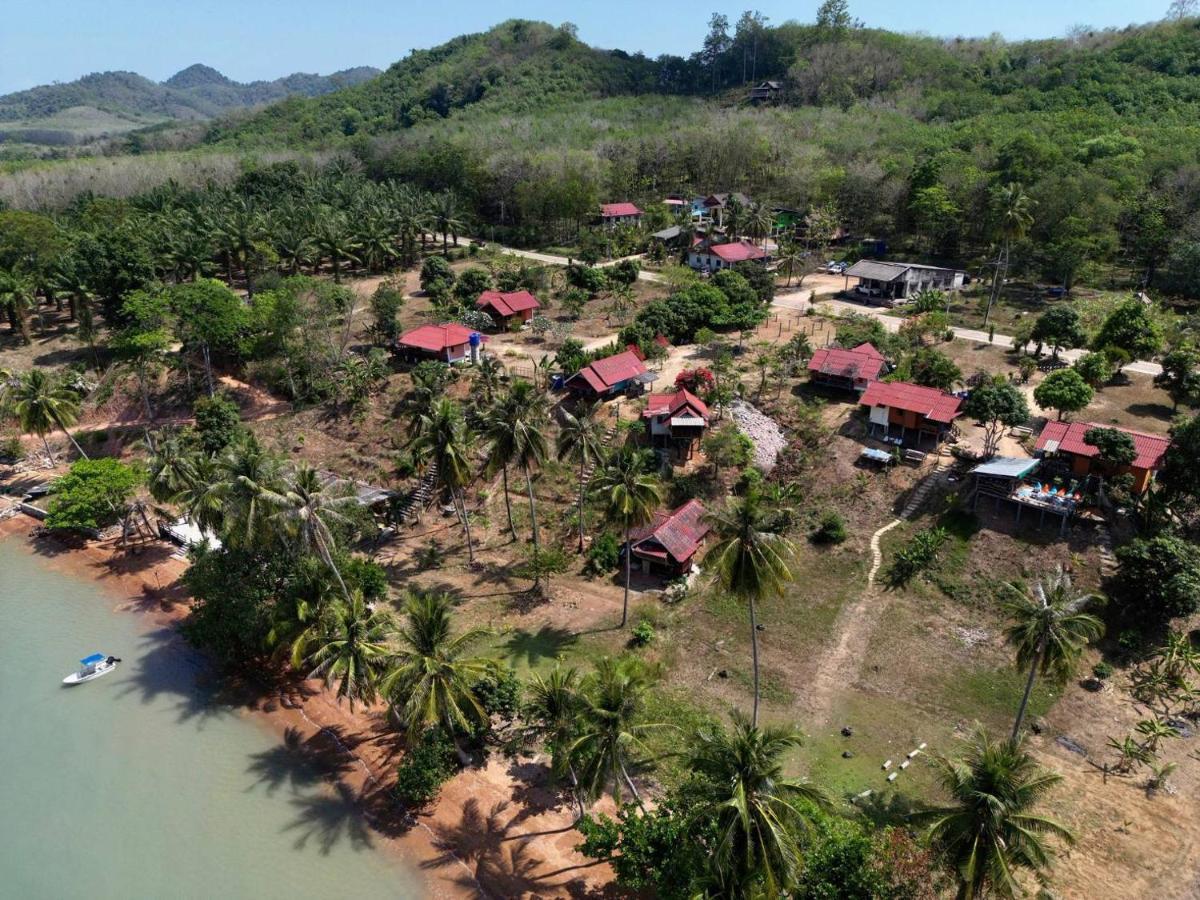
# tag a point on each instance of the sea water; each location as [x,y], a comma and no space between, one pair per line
[142,784]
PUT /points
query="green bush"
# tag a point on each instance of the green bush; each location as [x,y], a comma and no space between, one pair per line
[830,530]
[1102,670]
[92,495]
[604,554]
[428,764]
[500,693]
[918,556]
[642,635]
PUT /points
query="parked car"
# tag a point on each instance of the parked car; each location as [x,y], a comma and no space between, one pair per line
[836,268]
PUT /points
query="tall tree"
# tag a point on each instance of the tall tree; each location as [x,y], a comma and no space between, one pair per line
[581,439]
[760,814]
[42,403]
[443,442]
[751,561]
[631,498]
[1048,629]
[350,645]
[309,510]
[992,829]
[552,714]
[430,678]
[1014,215]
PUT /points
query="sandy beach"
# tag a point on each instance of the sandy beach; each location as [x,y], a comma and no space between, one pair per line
[495,831]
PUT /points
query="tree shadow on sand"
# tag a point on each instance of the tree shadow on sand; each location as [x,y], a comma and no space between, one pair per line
[327,818]
[299,763]
[548,642]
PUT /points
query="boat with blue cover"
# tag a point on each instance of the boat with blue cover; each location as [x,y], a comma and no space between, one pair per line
[91,668]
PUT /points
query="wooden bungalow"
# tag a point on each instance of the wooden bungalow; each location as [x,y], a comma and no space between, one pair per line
[912,409]
[613,214]
[668,545]
[1065,441]
[447,343]
[608,377]
[710,256]
[508,308]
[846,370]
[676,421]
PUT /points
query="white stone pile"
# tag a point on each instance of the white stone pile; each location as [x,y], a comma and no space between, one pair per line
[765,433]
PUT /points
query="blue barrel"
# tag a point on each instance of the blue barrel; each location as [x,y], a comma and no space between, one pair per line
[476,338]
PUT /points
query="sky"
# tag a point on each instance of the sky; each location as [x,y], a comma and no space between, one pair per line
[42,41]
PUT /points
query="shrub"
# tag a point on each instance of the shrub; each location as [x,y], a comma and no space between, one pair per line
[427,765]
[642,635]
[93,494]
[218,422]
[1102,670]
[1158,579]
[604,554]
[830,530]
[918,556]
[500,693]
[10,447]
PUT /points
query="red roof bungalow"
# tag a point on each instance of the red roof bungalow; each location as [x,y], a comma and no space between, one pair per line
[668,545]
[1066,440]
[847,370]
[449,343]
[676,419]
[507,308]
[608,377]
[911,408]
[707,256]
[620,214]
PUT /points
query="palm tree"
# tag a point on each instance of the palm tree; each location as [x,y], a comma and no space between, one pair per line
[307,511]
[489,377]
[17,296]
[581,438]
[1016,218]
[614,697]
[442,441]
[751,561]
[631,498]
[446,218]
[1048,629]
[172,466]
[334,240]
[552,713]
[515,429]
[992,828]
[759,222]
[756,808]
[791,257]
[350,644]
[232,492]
[41,404]
[430,679]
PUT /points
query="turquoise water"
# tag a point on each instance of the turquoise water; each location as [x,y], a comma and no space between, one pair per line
[140,784]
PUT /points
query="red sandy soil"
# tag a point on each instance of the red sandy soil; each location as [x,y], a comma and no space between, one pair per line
[497,830]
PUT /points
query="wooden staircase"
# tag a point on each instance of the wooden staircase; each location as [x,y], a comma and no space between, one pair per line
[590,469]
[420,498]
[933,480]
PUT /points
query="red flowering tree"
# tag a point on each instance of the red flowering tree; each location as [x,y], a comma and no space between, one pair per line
[698,381]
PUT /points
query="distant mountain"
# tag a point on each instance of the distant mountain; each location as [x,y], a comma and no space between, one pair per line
[115,102]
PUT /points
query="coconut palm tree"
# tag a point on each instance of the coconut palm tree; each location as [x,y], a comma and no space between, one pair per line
[614,698]
[307,511]
[1049,629]
[231,493]
[631,498]
[446,218]
[515,429]
[1015,209]
[750,561]
[334,240]
[992,829]
[552,714]
[172,466]
[489,378]
[791,257]
[17,297]
[759,813]
[430,678]
[581,439]
[442,441]
[42,403]
[350,644]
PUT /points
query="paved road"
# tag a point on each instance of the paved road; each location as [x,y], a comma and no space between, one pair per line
[801,301]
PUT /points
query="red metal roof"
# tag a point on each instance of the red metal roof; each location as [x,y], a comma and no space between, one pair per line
[1150,447]
[507,304]
[864,362]
[672,404]
[612,210]
[604,373]
[679,533]
[436,337]
[739,251]
[935,405]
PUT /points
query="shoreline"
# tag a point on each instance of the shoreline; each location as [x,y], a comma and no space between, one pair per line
[493,832]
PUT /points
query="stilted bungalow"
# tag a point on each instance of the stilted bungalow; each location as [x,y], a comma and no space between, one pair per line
[913,410]
[668,545]
[1064,440]
[608,377]
[846,370]
[508,308]
[676,421]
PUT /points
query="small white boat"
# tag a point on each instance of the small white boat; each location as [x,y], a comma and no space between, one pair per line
[91,668]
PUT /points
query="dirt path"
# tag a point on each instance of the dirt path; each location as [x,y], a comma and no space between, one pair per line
[840,665]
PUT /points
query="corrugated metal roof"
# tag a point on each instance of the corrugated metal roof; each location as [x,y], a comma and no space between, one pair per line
[611,210]
[672,404]
[864,361]
[935,405]
[877,271]
[1069,436]
[680,532]
[604,373]
[507,303]
[1007,466]
[436,337]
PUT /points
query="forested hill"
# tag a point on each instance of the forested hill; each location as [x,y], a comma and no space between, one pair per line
[197,92]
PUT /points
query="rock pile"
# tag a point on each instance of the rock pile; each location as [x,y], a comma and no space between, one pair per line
[768,438]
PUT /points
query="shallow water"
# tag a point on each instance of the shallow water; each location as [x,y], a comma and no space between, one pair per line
[141,784]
